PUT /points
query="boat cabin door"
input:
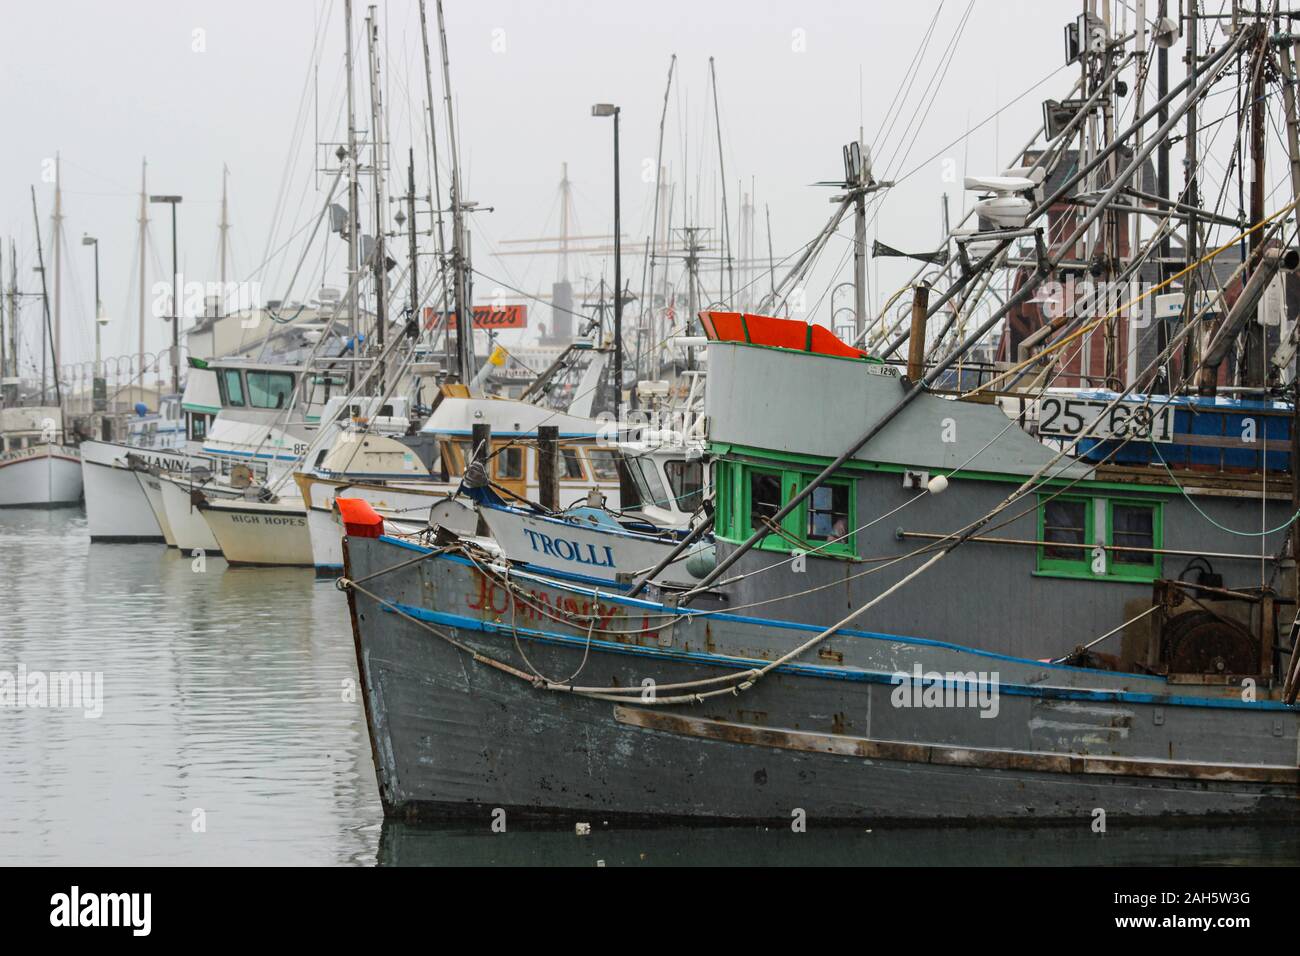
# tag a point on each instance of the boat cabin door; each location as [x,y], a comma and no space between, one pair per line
[510,465]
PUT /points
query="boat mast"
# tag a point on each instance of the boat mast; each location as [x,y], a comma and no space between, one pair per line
[48,335]
[13,317]
[1191,196]
[722,174]
[443,314]
[56,343]
[1254,364]
[223,228]
[660,237]
[379,200]
[353,323]
[144,242]
[464,316]
[858,184]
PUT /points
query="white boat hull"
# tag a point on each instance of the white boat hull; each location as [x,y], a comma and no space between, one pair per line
[116,506]
[152,488]
[259,533]
[189,528]
[577,547]
[322,519]
[42,476]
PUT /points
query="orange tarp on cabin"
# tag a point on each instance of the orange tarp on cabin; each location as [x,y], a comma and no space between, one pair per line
[777,333]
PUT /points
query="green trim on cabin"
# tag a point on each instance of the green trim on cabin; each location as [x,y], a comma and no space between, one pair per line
[733,494]
[1080,564]
[202,409]
[719,449]
[1081,567]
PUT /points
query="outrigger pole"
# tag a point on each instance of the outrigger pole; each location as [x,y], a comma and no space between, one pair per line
[1045,267]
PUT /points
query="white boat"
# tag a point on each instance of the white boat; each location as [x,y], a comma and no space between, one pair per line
[37,469]
[117,507]
[586,544]
[259,533]
[189,529]
[399,485]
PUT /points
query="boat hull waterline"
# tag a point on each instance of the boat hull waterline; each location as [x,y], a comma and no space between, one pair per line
[40,476]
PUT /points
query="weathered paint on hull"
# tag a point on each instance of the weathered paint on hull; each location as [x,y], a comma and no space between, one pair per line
[48,476]
[452,737]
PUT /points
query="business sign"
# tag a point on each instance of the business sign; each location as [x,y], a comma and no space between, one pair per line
[487,317]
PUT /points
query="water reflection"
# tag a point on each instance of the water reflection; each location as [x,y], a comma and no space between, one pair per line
[231,732]
[230,698]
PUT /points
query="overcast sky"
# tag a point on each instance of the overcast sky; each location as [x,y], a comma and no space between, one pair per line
[193,85]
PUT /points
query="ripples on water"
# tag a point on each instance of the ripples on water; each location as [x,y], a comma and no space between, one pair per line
[224,691]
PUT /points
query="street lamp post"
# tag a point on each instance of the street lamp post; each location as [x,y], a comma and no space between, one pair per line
[609,109]
[99,389]
[173,201]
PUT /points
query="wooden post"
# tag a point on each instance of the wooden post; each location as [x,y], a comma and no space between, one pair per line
[479,447]
[916,340]
[548,466]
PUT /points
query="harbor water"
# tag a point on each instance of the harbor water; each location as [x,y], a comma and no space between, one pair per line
[230,730]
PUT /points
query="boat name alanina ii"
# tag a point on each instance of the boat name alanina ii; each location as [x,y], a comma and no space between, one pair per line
[949,620]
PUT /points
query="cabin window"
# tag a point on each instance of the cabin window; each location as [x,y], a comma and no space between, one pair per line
[510,462]
[764,500]
[686,479]
[198,426]
[747,499]
[232,385]
[571,465]
[1134,524]
[1082,538]
[828,512]
[604,466]
[648,484]
[270,389]
[1066,528]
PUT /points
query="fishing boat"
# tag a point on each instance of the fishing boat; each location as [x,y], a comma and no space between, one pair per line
[938,709]
[38,469]
[118,509]
[1043,569]
[401,484]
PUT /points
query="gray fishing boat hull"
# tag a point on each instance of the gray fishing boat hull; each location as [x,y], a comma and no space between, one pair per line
[462,730]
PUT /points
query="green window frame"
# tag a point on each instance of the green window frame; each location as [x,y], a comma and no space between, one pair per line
[1077,562]
[808,528]
[1132,566]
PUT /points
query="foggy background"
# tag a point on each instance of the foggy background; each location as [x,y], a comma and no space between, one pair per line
[195,85]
